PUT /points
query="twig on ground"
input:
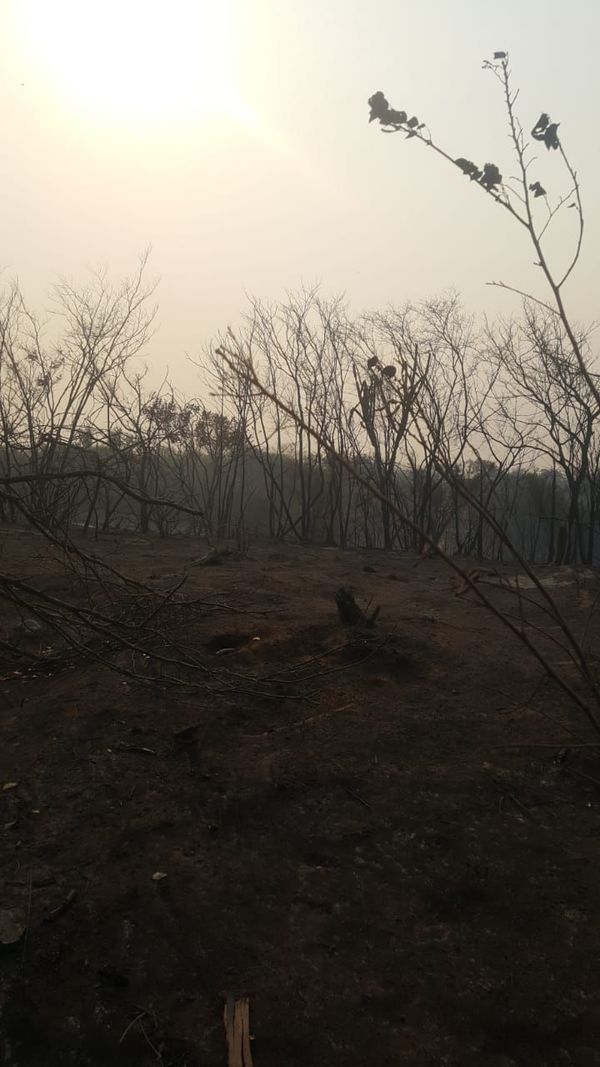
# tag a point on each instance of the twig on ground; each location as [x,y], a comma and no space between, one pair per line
[131,1024]
[64,906]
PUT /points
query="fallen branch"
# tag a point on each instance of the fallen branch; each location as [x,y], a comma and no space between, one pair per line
[51,476]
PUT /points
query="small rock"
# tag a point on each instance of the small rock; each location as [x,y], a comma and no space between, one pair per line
[12,927]
[26,628]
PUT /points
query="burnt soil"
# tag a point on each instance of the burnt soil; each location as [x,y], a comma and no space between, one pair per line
[386,860]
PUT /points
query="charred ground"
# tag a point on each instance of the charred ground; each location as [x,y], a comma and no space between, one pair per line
[358,848]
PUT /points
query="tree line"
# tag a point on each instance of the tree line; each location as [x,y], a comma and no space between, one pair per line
[450,422]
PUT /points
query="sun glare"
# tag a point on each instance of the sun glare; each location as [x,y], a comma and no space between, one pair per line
[135,61]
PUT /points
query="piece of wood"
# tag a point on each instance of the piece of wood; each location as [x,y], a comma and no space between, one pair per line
[349,611]
[237,1030]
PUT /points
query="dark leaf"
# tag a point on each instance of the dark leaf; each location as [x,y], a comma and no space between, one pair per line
[537,189]
[551,136]
[389,371]
[372,362]
[500,55]
[540,126]
[397,118]
[379,107]
[413,122]
[491,176]
[468,168]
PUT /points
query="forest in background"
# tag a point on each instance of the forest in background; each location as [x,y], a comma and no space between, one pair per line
[450,421]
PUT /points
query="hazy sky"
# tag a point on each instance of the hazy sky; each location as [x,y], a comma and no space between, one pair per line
[233,138]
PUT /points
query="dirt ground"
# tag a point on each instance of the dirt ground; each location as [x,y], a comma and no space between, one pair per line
[387,860]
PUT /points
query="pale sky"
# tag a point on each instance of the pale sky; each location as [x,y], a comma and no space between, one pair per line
[232,137]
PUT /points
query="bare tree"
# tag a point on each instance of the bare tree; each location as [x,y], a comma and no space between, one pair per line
[448,418]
